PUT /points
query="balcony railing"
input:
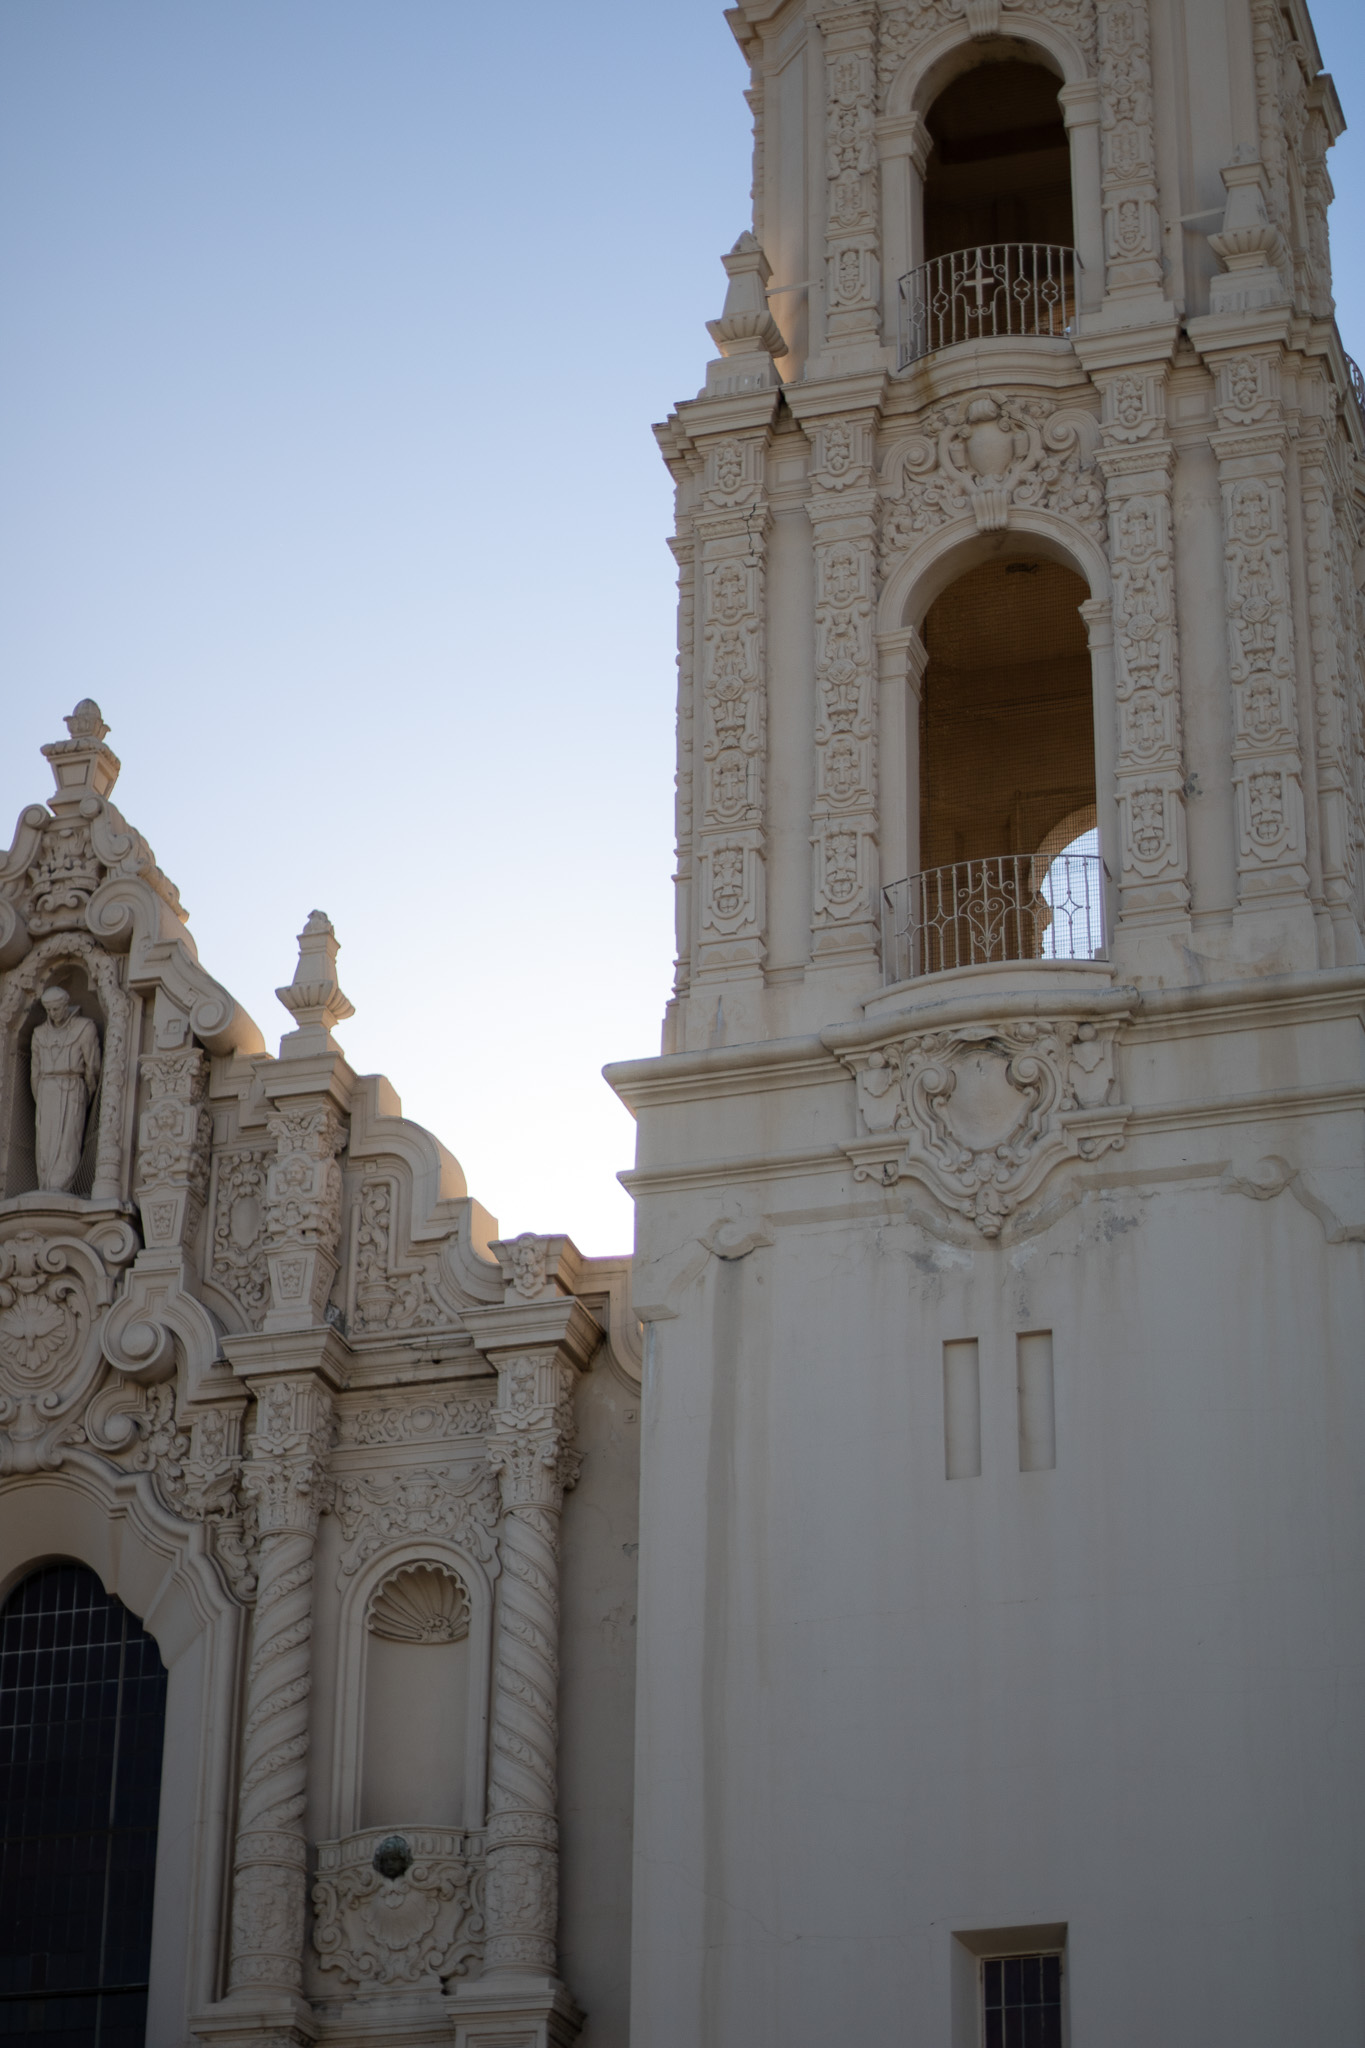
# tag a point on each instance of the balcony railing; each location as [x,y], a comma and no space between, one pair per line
[1015,906]
[1356,377]
[998,289]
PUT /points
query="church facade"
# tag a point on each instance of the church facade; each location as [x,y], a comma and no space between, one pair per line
[976,1429]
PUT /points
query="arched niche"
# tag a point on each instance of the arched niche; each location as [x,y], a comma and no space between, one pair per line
[446,1720]
[417,1699]
[159,1568]
[91,977]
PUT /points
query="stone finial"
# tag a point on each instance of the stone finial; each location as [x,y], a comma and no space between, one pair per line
[83,765]
[314,996]
[746,327]
[1248,244]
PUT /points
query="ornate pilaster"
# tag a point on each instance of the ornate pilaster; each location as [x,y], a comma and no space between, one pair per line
[302,1213]
[731,839]
[1267,764]
[538,1346]
[1149,773]
[1328,531]
[843,513]
[852,222]
[684,552]
[1132,219]
[158,1302]
[285,1478]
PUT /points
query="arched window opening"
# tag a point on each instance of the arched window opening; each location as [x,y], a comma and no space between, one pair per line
[82,1720]
[417,1701]
[998,229]
[1006,778]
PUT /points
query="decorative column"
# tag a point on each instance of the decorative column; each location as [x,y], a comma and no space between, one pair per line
[293,1367]
[1328,549]
[1273,912]
[539,1342]
[1149,773]
[731,837]
[852,223]
[1132,215]
[285,1479]
[843,514]
[684,553]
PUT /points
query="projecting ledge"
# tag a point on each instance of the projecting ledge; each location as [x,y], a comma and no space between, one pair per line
[994,990]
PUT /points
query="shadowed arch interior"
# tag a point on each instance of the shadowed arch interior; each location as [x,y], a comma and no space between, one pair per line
[1000,166]
[1007,737]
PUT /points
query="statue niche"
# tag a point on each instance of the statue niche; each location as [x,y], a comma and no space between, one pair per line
[54,1084]
[64,1070]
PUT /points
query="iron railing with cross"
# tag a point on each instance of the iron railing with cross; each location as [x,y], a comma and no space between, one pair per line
[997,289]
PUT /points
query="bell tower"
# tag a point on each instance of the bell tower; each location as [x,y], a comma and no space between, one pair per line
[1000,1205]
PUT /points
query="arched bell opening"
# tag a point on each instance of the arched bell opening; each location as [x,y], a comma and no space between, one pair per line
[999,169]
[998,232]
[1009,867]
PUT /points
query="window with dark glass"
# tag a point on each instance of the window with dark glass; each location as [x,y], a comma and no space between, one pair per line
[1021,2001]
[82,1717]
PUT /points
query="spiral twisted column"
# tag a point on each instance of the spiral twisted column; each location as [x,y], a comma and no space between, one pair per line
[284,1478]
[529,1448]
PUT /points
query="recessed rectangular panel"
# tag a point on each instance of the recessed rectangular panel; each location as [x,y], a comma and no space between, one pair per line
[962,1408]
[1037,1406]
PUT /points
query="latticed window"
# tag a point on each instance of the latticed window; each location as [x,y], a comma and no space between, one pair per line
[82,1716]
[1021,2001]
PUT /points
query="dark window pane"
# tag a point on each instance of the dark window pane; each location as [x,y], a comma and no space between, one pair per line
[82,1716]
[1021,1999]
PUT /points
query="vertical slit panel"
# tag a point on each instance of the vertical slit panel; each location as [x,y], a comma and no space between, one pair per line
[962,1408]
[1037,1404]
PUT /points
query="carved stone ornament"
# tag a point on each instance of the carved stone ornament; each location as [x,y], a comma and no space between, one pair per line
[412,1930]
[988,456]
[904,27]
[54,1285]
[374,1511]
[984,1112]
[459,1415]
[387,1297]
[421,1603]
[236,1257]
[70,1103]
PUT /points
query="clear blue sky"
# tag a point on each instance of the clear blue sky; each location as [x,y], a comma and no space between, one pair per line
[330,339]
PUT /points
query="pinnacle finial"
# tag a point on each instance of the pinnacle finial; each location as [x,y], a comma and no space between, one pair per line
[86,722]
[83,765]
[314,997]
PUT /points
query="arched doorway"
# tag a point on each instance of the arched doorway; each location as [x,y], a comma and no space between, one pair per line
[82,1720]
[1007,796]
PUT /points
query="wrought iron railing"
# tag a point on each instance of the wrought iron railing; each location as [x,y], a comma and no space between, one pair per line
[1356,378]
[999,288]
[1015,906]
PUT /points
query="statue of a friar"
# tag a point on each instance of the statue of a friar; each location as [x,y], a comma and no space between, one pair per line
[65,1068]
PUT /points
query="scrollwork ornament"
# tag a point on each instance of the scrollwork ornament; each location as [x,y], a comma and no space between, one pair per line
[985,1112]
